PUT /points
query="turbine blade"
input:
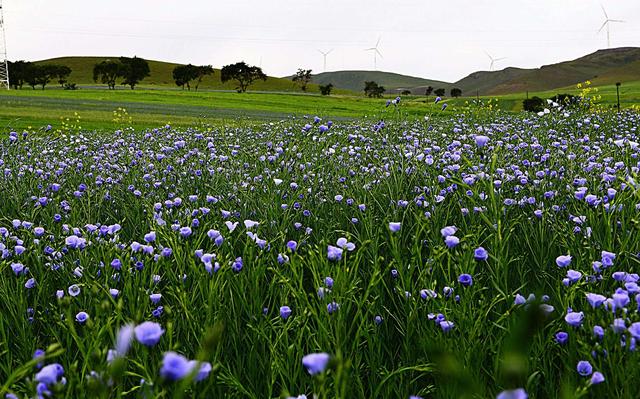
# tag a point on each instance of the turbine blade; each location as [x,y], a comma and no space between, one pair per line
[616,20]
[603,25]
[604,11]
[499,59]
[378,42]
[329,51]
[379,53]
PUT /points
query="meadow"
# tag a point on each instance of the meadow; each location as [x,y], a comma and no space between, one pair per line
[150,106]
[471,253]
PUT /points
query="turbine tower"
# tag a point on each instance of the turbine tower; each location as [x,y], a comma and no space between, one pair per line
[493,60]
[4,64]
[606,23]
[376,53]
[324,55]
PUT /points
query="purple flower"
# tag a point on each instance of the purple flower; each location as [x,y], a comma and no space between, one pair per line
[448,231]
[292,245]
[634,330]
[116,264]
[481,140]
[597,378]
[465,279]
[148,333]
[607,258]
[446,325]
[334,253]
[50,374]
[563,260]
[584,368]
[344,244]
[185,231]
[124,338]
[595,300]
[395,226]
[155,298]
[74,290]
[285,312]
[82,317]
[30,283]
[574,319]
[315,363]
[174,366]
[150,237]
[513,394]
[562,337]
[451,241]
[480,254]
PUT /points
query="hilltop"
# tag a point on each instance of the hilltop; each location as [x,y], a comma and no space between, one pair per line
[161,76]
[393,82]
[602,67]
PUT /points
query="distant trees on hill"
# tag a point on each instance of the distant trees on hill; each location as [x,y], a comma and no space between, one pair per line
[372,89]
[131,70]
[428,91]
[21,72]
[325,90]
[439,92]
[242,73]
[456,92]
[302,78]
[185,75]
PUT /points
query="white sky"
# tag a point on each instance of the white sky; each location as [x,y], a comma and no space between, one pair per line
[444,39]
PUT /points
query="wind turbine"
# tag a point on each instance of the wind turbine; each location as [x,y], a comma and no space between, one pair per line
[376,53]
[493,60]
[606,22]
[324,55]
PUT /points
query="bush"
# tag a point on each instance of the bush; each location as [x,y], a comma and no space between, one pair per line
[533,104]
[325,90]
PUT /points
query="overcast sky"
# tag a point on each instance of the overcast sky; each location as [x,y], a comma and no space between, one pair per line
[445,39]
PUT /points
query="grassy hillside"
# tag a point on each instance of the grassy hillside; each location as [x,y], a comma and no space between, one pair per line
[161,76]
[602,67]
[354,80]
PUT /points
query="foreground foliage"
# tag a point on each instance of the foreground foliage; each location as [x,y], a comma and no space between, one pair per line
[455,257]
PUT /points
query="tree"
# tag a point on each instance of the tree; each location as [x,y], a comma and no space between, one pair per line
[325,90]
[183,75]
[439,92]
[134,70]
[456,92]
[108,72]
[18,72]
[406,92]
[242,73]
[41,75]
[428,91]
[372,89]
[201,72]
[533,104]
[62,73]
[302,78]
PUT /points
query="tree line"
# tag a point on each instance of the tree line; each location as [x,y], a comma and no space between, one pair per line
[36,75]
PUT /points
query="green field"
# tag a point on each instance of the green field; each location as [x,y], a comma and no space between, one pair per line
[22,109]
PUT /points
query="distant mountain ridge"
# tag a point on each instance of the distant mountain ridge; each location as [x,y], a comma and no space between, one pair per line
[354,80]
[602,67]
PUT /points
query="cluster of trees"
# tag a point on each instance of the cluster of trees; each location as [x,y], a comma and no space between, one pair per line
[440,92]
[185,75]
[24,72]
[130,70]
[372,89]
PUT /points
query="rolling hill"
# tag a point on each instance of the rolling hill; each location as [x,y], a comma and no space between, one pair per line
[393,82]
[161,76]
[602,67]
